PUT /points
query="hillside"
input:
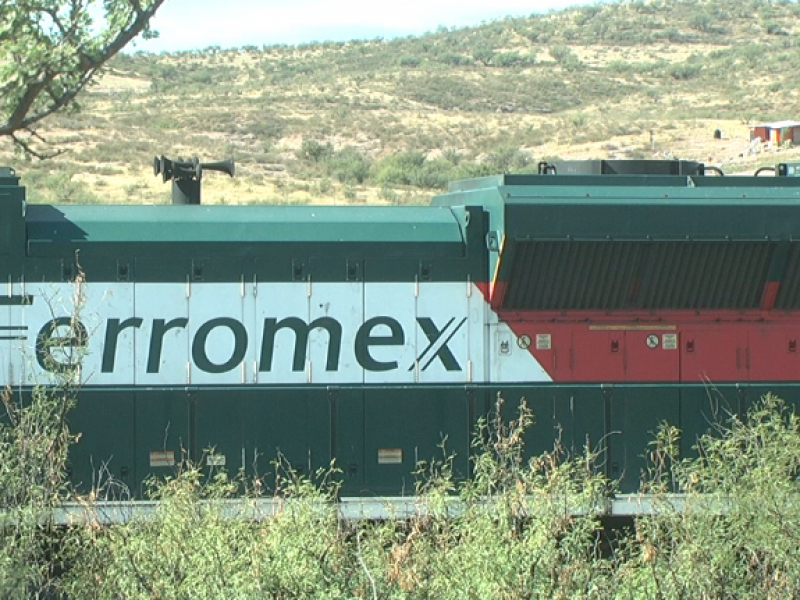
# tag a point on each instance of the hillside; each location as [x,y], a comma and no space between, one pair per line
[394,120]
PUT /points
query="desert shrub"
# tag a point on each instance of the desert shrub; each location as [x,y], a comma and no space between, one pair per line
[410,61]
[349,166]
[483,54]
[511,59]
[702,21]
[505,159]
[413,169]
[190,548]
[397,169]
[737,533]
[313,151]
[684,71]
[455,59]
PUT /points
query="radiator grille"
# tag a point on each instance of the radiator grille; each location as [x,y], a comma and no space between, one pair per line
[573,275]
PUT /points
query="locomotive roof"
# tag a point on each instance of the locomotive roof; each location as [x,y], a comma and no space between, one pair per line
[633,206]
[244,224]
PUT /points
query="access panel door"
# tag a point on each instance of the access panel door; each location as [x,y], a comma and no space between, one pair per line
[283,332]
[552,418]
[346,404]
[567,420]
[218,416]
[772,352]
[253,431]
[548,344]
[409,428]
[288,427]
[23,313]
[713,356]
[388,340]
[598,354]
[109,317]
[162,433]
[104,421]
[652,355]
[635,415]
[705,407]
[336,312]
[579,418]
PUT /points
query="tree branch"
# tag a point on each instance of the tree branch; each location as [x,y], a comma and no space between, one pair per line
[26,147]
[38,97]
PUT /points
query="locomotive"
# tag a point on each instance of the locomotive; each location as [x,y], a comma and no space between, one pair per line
[611,295]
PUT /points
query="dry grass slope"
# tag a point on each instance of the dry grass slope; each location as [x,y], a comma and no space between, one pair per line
[391,121]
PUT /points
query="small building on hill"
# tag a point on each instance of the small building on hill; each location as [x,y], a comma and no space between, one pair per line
[777,132]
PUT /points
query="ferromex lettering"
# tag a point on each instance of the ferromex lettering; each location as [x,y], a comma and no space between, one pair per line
[156,334]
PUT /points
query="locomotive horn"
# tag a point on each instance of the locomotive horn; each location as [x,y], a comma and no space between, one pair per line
[186,176]
[176,169]
[225,166]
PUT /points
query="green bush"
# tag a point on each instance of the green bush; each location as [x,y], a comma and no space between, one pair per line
[413,169]
[314,151]
[455,59]
[410,61]
[349,166]
[397,169]
[739,531]
[511,59]
[506,159]
[684,71]
[483,54]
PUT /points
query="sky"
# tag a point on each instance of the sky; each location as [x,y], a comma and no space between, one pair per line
[197,24]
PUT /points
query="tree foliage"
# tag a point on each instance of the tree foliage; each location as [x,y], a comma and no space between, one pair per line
[52,49]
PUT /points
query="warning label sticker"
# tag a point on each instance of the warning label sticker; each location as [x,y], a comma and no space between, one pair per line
[543,341]
[669,341]
[390,456]
[162,458]
[215,460]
